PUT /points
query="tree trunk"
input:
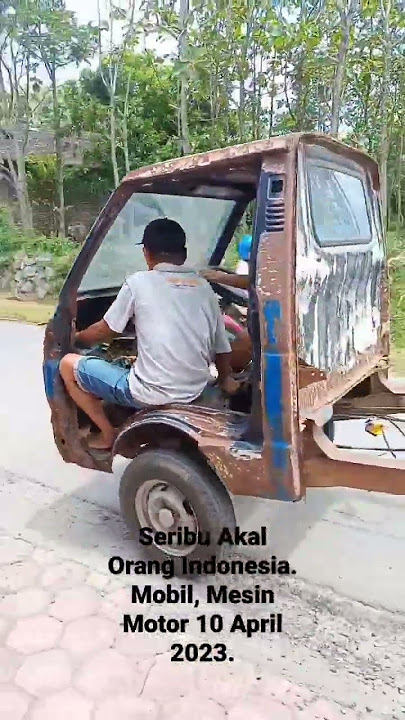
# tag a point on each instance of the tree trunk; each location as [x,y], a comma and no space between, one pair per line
[59,156]
[272,95]
[241,109]
[3,94]
[125,124]
[22,189]
[125,142]
[113,140]
[384,137]
[16,183]
[254,93]
[19,178]
[300,93]
[346,19]
[21,153]
[227,79]
[399,187]
[184,139]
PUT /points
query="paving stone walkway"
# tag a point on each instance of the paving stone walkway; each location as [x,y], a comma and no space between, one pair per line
[64,656]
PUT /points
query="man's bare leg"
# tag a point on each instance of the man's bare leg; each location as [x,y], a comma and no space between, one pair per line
[90,404]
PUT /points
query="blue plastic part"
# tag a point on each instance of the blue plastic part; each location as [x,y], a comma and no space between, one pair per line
[245,247]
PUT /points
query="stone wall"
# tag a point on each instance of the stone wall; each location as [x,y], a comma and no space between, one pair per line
[29,277]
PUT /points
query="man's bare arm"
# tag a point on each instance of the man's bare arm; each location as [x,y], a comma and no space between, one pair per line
[222,278]
[226,382]
[96,334]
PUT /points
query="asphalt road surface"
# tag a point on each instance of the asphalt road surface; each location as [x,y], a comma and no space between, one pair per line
[344,610]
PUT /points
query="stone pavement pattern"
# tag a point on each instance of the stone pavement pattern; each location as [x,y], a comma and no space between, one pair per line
[64,656]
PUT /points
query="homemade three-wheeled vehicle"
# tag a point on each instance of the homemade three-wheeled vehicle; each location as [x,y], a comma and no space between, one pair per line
[318,318]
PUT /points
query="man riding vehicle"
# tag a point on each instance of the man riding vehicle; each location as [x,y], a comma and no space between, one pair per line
[180,332]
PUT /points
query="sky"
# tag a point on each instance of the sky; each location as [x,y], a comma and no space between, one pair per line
[87,11]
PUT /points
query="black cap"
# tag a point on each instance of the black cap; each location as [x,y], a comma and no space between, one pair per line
[164,236]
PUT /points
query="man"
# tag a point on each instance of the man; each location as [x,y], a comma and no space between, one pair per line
[180,332]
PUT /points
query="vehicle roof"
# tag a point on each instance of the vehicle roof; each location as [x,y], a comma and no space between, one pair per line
[235,156]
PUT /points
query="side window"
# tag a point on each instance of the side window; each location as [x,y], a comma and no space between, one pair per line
[338,205]
[231,259]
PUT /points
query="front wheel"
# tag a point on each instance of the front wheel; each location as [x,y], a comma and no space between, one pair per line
[170,493]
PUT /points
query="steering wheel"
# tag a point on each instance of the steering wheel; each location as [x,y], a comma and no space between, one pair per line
[230,295]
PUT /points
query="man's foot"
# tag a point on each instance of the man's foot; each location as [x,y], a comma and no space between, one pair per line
[102,442]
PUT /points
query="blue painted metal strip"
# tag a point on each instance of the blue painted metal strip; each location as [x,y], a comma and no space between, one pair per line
[274,409]
[50,370]
[272,313]
[273,392]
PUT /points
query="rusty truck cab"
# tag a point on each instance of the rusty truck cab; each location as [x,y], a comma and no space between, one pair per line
[318,317]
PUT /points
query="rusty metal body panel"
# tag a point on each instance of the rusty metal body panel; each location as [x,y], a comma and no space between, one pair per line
[237,157]
[216,434]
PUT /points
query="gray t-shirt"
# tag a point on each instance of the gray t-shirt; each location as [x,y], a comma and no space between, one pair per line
[179,329]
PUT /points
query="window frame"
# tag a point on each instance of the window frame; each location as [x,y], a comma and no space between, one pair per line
[345,170]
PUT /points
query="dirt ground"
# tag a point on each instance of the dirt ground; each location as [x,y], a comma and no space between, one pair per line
[29,311]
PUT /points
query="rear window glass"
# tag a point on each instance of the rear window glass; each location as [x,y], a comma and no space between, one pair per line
[338,207]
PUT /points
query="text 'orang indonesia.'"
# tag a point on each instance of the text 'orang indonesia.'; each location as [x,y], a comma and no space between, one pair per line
[210,566]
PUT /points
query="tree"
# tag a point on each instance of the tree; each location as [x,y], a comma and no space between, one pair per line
[347,9]
[184,135]
[109,67]
[386,8]
[56,40]
[152,118]
[17,93]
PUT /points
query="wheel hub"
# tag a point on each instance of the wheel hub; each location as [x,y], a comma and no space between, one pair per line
[164,508]
[166,518]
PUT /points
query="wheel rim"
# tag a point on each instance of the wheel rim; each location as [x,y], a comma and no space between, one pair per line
[164,508]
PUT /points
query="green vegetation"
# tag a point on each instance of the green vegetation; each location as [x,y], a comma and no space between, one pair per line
[396,249]
[14,241]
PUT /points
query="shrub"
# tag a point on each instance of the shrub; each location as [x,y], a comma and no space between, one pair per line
[396,253]
[14,240]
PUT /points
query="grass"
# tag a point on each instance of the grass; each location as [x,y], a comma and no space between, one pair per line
[27,311]
[398,362]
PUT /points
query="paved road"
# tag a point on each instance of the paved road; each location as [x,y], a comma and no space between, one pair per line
[344,638]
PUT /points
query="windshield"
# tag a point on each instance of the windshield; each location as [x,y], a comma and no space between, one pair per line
[203,220]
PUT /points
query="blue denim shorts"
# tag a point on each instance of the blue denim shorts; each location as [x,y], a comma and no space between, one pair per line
[106,381]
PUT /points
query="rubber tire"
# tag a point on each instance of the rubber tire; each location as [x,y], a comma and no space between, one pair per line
[329,430]
[208,498]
